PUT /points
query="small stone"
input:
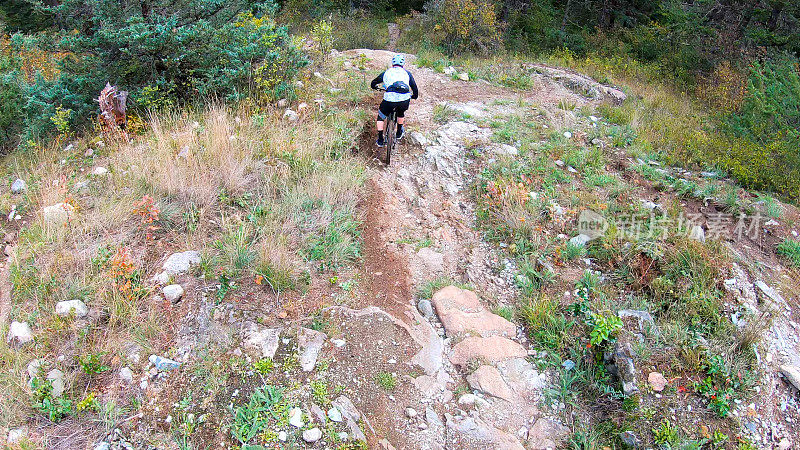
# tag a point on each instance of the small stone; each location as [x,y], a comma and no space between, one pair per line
[18,186]
[16,435]
[290,115]
[56,378]
[505,150]
[163,364]
[432,418]
[58,214]
[179,263]
[296,418]
[338,343]
[629,439]
[411,413]
[697,233]
[99,171]
[34,368]
[580,240]
[425,308]
[657,381]
[593,118]
[19,334]
[784,444]
[648,205]
[259,338]
[282,103]
[559,163]
[418,138]
[173,292]
[282,436]
[143,384]
[72,307]
[546,434]
[88,153]
[463,76]
[769,291]
[792,375]
[126,375]
[312,435]
[567,134]
[310,342]
[162,278]
[102,446]
[334,414]
[471,400]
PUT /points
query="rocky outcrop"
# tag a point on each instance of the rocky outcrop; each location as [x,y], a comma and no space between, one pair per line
[310,342]
[489,380]
[264,340]
[490,349]
[461,312]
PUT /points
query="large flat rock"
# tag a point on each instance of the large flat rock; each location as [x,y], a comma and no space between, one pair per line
[461,312]
[491,350]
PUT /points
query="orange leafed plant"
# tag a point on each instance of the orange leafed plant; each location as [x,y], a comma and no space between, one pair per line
[121,269]
[149,213]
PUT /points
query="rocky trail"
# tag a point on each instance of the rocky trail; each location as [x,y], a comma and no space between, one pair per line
[423,196]
[417,350]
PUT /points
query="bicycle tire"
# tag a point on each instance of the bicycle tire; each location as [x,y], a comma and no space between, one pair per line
[390,137]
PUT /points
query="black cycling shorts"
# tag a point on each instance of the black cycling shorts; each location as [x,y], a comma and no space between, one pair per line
[386,108]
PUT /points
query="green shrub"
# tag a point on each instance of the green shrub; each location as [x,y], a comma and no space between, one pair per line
[386,380]
[186,50]
[56,409]
[92,364]
[545,324]
[12,99]
[467,26]
[790,249]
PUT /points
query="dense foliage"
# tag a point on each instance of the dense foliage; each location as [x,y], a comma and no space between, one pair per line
[160,51]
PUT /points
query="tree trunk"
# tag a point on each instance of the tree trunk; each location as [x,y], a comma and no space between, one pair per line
[566,16]
[777,9]
[605,15]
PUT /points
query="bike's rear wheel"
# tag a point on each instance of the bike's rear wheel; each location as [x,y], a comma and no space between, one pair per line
[391,126]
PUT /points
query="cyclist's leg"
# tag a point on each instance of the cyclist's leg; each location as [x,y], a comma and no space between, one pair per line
[384,110]
[401,109]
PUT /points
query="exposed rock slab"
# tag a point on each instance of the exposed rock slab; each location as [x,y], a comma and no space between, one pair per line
[489,380]
[461,312]
[475,433]
[489,349]
[263,340]
[546,434]
[311,342]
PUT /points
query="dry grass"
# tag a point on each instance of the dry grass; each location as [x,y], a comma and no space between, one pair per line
[261,185]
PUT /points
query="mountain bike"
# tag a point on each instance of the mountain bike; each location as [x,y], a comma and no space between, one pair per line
[390,137]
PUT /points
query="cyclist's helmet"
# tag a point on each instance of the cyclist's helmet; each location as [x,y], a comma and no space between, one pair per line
[398,60]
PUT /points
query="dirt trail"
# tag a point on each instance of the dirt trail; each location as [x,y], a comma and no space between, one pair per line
[419,217]
[419,226]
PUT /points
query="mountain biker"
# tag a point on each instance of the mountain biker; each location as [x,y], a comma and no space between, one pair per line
[400,89]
